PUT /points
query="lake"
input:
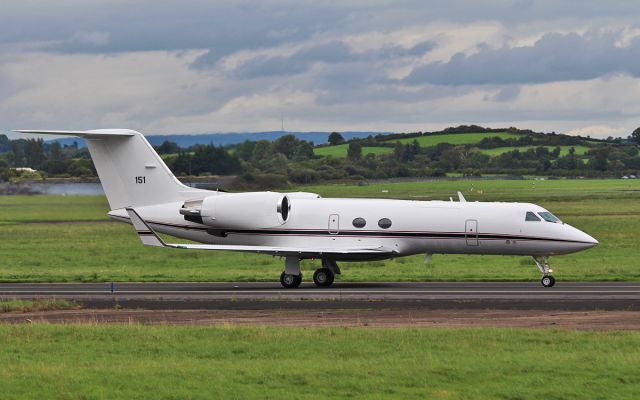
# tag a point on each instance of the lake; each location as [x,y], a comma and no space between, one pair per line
[75,188]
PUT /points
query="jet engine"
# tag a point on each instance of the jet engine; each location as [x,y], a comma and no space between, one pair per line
[253,210]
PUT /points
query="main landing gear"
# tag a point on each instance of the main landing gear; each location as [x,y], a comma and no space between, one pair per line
[543,265]
[291,277]
[325,276]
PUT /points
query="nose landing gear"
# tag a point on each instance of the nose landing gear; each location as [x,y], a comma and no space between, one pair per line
[548,281]
[543,265]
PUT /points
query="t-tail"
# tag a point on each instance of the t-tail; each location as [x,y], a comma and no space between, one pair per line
[131,172]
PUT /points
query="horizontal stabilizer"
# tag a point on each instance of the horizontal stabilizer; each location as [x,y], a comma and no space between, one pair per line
[96,133]
[150,238]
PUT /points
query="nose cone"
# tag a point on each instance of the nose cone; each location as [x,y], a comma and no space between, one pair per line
[583,240]
[589,241]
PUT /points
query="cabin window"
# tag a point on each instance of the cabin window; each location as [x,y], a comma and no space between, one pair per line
[531,216]
[359,222]
[384,223]
[547,216]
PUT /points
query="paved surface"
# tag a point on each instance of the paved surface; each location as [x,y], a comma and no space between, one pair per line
[499,295]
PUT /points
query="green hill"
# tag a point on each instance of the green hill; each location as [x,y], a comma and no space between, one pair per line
[424,141]
[455,138]
[564,150]
[341,150]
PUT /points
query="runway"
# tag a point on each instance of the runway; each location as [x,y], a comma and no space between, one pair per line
[442,295]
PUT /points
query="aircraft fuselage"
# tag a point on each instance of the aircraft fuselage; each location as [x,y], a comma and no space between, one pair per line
[406,227]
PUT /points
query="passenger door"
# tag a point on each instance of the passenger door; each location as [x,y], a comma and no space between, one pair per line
[334,223]
[471,232]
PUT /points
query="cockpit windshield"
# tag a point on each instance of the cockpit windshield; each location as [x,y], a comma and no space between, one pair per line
[547,216]
[531,216]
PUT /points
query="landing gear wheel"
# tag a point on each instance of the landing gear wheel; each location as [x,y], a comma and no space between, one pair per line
[290,281]
[548,281]
[323,277]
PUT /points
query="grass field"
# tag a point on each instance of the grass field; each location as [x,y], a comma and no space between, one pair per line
[160,362]
[425,141]
[564,150]
[93,249]
[455,138]
[340,150]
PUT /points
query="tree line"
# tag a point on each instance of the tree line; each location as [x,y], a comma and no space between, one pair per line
[291,160]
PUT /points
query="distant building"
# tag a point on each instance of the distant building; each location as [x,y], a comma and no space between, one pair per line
[24,169]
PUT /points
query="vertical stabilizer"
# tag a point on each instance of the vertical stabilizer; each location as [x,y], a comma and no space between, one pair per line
[131,172]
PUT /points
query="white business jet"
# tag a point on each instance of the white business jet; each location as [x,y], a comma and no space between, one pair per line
[142,191]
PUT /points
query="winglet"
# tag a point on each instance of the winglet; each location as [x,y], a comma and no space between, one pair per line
[146,234]
[461,198]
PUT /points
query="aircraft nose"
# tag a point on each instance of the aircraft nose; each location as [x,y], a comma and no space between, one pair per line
[587,240]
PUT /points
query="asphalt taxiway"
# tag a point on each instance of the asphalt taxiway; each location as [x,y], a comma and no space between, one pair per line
[270,295]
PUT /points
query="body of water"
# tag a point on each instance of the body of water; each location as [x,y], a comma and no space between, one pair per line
[82,189]
[75,188]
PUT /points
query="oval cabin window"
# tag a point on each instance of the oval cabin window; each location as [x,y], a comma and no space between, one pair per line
[384,223]
[359,222]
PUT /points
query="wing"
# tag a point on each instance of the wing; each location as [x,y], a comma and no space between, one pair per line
[150,238]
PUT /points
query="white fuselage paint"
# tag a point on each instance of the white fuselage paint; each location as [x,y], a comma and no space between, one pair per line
[416,227]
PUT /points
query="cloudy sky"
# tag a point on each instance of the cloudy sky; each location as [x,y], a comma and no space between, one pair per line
[178,66]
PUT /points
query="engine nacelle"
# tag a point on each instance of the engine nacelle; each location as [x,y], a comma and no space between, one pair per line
[253,210]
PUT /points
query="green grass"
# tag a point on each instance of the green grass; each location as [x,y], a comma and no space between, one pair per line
[455,138]
[8,305]
[340,151]
[103,251]
[160,362]
[14,209]
[425,141]
[564,150]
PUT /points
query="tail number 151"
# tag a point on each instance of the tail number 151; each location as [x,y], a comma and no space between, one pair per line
[141,179]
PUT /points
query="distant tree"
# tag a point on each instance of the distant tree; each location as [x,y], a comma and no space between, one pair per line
[56,151]
[303,151]
[18,154]
[5,144]
[286,145]
[598,158]
[261,150]
[335,138]
[354,152]
[168,147]
[635,136]
[35,152]
[245,149]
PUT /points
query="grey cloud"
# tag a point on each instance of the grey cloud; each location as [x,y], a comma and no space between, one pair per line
[391,52]
[507,93]
[262,66]
[555,57]
[335,52]
[225,27]
[146,25]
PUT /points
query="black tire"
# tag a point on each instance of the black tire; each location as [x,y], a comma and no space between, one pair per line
[548,281]
[290,281]
[323,277]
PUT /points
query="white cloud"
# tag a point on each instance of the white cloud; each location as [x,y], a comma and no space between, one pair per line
[597,131]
